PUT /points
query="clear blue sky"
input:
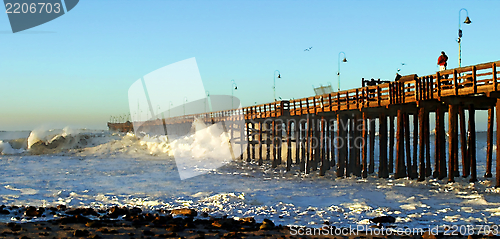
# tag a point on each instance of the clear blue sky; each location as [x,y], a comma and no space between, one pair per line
[76,69]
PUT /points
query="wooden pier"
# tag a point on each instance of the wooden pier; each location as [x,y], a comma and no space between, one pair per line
[337,131]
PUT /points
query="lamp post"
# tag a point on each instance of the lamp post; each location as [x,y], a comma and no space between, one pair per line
[467,21]
[206,100]
[184,105]
[338,72]
[233,87]
[274,83]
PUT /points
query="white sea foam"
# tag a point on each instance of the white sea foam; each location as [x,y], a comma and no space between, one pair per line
[102,169]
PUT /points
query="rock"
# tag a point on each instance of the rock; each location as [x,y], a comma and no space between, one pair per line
[185,212]
[383,219]
[94,224]
[73,219]
[247,220]
[33,212]
[82,211]
[148,233]
[14,226]
[267,225]
[115,212]
[81,233]
[61,207]
[4,211]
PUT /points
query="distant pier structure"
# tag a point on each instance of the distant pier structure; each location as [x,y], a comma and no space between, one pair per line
[337,131]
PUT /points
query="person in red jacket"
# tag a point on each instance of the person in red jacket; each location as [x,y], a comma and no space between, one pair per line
[442,61]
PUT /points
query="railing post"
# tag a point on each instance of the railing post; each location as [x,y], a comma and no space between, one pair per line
[455,81]
[474,79]
[347,99]
[438,81]
[338,101]
[357,98]
[417,89]
[378,95]
[494,72]
[330,102]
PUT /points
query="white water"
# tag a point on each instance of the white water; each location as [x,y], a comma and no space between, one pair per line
[103,169]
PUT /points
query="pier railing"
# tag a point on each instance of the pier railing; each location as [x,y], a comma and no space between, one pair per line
[463,81]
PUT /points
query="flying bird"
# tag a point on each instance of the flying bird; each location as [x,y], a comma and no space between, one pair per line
[308,49]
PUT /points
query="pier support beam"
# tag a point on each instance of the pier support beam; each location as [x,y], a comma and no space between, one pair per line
[364,153]
[340,145]
[409,166]
[391,144]
[498,144]
[472,143]
[400,165]
[489,147]
[421,151]
[371,168]
[383,172]
[452,141]
[463,143]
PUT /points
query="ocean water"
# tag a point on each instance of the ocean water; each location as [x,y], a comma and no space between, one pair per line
[102,169]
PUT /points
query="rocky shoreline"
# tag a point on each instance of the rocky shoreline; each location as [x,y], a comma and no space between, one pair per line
[123,222]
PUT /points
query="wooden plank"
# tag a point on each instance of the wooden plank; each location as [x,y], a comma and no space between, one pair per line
[494,75]
[455,82]
[438,81]
[474,79]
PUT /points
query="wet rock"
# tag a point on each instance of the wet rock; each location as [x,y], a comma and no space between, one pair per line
[33,211]
[44,233]
[383,219]
[4,211]
[247,220]
[14,226]
[185,212]
[107,231]
[148,233]
[73,219]
[81,233]
[61,207]
[95,224]
[82,211]
[266,225]
[115,212]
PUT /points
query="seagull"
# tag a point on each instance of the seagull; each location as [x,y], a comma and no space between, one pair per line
[308,49]
[403,64]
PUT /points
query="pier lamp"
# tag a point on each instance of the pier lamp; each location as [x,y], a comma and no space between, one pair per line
[338,72]
[233,87]
[169,105]
[206,100]
[274,83]
[467,21]
[184,105]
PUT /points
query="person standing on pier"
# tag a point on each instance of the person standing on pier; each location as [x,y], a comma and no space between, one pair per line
[442,63]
